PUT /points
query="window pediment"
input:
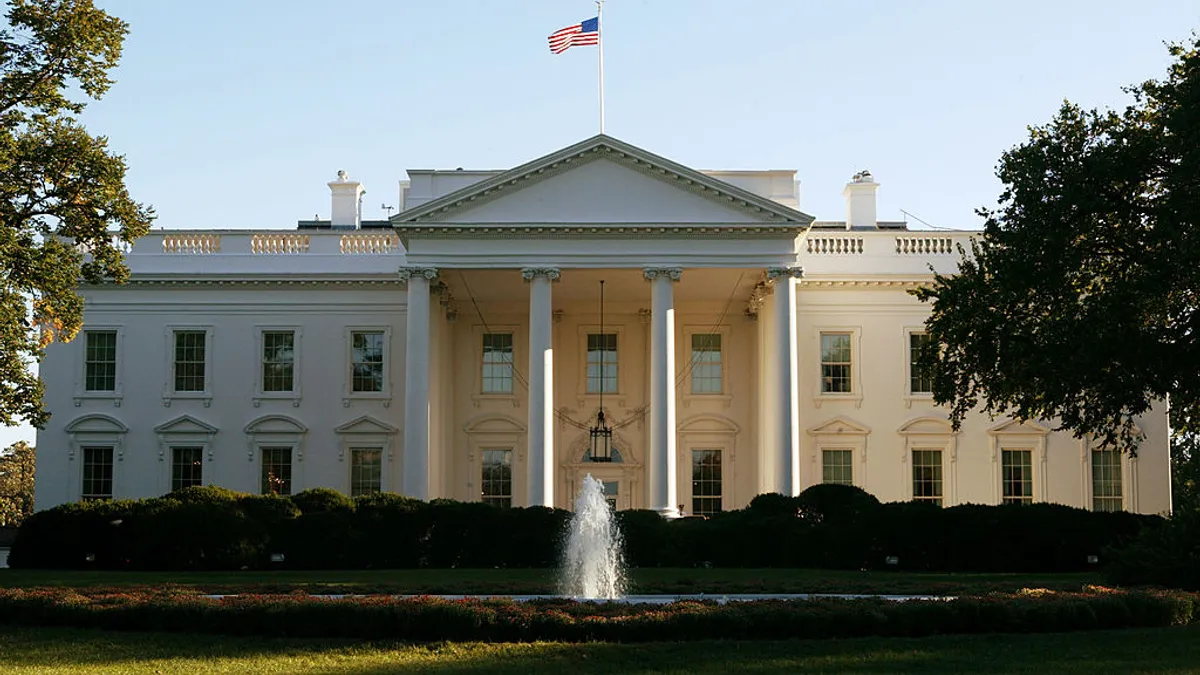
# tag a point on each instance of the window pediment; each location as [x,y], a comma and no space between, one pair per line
[928,426]
[494,424]
[366,425]
[185,425]
[96,424]
[710,424]
[1016,427]
[840,425]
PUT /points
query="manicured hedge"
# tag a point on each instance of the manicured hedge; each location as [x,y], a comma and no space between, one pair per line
[434,619]
[827,526]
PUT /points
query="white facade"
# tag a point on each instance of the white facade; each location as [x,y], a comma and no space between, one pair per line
[755,350]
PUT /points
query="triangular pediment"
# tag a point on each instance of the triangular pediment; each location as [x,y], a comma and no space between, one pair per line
[185,424]
[365,425]
[1028,427]
[601,180]
[839,425]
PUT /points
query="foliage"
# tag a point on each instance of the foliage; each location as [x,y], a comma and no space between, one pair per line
[1081,302]
[430,619]
[1162,556]
[64,208]
[1185,472]
[827,526]
[17,465]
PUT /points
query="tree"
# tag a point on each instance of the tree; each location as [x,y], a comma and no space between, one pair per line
[1081,301]
[1185,473]
[16,483]
[65,213]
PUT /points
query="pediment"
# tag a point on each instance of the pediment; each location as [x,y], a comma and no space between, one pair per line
[600,180]
[366,425]
[96,423]
[185,424]
[840,425]
[1017,427]
[930,426]
[711,424]
[494,424]
[275,424]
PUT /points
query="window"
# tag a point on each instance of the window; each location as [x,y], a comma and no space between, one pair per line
[706,363]
[187,466]
[366,471]
[278,361]
[496,482]
[100,361]
[277,471]
[919,379]
[706,482]
[835,363]
[612,492]
[1106,480]
[97,473]
[927,475]
[367,361]
[837,466]
[497,377]
[601,363]
[190,360]
[1016,474]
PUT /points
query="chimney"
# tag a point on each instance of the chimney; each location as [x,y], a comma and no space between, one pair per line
[347,202]
[860,200]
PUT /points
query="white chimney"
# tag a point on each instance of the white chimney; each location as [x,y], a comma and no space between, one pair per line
[347,202]
[860,200]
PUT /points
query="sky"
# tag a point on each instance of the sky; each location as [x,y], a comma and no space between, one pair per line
[234,114]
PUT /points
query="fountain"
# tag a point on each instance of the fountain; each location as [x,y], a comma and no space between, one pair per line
[592,565]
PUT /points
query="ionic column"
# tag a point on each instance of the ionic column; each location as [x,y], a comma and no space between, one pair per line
[661,467]
[541,385]
[416,382]
[783,398]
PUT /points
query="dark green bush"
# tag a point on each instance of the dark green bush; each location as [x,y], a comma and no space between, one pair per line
[1168,555]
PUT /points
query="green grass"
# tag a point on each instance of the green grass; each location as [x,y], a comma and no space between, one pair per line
[28,651]
[537,581]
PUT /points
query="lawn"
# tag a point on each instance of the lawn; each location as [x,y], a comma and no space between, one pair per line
[58,651]
[539,581]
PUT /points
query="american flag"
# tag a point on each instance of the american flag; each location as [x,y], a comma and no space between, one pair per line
[583,33]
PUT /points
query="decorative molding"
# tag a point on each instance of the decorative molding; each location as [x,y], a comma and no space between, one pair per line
[611,149]
[597,231]
[774,273]
[644,315]
[193,281]
[407,272]
[672,273]
[551,273]
[558,315]
[758,296]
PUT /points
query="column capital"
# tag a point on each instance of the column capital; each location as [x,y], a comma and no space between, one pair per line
[672,273]
[774,273]
[551,273]
[409,271]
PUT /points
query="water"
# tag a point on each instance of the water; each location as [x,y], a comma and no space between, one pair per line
[593,567]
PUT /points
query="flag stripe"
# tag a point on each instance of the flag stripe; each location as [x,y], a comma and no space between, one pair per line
[581,34]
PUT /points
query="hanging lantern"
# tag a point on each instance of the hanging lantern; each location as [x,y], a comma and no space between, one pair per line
[601,439]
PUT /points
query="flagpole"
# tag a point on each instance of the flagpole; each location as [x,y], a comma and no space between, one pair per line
[600,52]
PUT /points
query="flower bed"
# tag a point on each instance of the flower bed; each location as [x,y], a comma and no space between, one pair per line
[433,619]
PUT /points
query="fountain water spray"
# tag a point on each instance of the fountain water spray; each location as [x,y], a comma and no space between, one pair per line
[593,566]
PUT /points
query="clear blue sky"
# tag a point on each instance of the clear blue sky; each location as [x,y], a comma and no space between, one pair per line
[235,114]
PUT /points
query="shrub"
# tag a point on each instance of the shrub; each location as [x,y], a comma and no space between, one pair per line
[1168,555]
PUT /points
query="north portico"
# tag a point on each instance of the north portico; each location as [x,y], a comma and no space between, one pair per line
[532,244]
[460,349]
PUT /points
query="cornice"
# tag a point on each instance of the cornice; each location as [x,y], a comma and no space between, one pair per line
[589,150]
[596,231]
[863,283]
[257,283]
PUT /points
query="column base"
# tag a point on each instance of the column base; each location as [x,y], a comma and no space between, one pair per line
[669,513]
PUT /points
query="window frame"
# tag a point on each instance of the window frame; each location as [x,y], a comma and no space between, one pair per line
[353,451]
[497,499]
[855,395]
[170,394]
[838,433]
[825,466]
[262,451]
[1013,435]
[385,392]
[519,358]
[686,396]
[910,396]
[260,393]
[721,480]
[82,393]
[941,480]
[1121,477]
[626,352]
[112,472]
[171,453]
[1032,497]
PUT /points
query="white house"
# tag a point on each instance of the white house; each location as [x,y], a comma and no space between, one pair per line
[457,350]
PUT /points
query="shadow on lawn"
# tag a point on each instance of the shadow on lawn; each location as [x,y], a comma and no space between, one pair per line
[1172,650]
